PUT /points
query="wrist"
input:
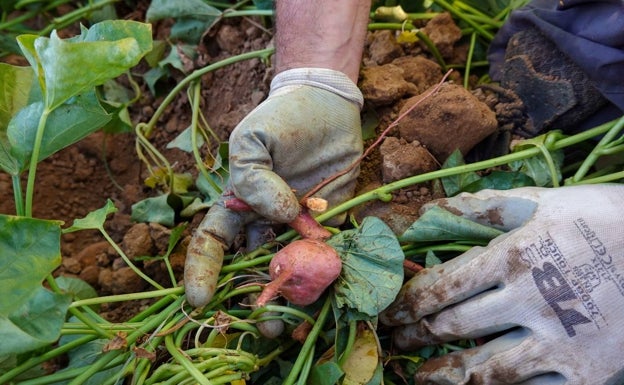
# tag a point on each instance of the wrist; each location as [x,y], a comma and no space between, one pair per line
[327,79]
[321,34]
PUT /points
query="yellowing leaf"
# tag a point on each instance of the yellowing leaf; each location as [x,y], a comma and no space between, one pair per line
[360,366]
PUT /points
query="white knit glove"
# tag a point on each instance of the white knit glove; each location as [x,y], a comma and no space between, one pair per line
[307,130]
[552,289]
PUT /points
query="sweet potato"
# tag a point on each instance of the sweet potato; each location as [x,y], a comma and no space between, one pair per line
[301,272]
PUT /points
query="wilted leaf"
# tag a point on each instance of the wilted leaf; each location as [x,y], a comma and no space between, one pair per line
[372,271]
[360,366]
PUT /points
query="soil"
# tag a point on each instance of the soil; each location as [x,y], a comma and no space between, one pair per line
[80,178]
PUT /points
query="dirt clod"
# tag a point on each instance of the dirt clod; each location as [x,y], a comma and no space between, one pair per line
[401,159]
[450,119]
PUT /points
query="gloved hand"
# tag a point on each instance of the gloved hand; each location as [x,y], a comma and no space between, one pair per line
[552,289]
[305,131]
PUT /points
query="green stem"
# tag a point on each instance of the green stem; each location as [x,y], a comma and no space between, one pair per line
[601,179]
[17,195]
[129,262]
[410,252]
[473,40]
[248,12]
[182,360]
[307,366]
[128,297]
[34,159]
[282,309]
[385,190]
[595,154]
[71,17]
[68,374]
[34,361]
[131,339]
[350,343]
[309,343]
[194,127]
[442,3]
[77,313]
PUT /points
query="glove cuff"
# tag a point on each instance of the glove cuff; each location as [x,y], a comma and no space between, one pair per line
[329,80]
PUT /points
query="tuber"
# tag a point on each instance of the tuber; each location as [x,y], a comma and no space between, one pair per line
[301,272]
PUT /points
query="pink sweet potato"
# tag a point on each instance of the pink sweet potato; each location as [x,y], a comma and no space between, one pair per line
[301,272]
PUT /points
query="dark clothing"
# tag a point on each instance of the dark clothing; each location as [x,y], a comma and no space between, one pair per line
[589,33]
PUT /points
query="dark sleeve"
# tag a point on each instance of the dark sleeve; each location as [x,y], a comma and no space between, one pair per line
[588,32]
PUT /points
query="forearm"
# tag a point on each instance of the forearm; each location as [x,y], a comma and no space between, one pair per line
[321,34]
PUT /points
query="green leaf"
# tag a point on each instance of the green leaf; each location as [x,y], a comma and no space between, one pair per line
[66,68]
[327,373]
[94,220]
[154,209]
[372,272]
[184,141]
[164,9]
[437,224]
[538,170]
[456,183]
[36,323]
[263,4]
[431,259]
[500,180]
[76,288]
[85,355]
[207,189]
[67,124]
[30,315]
[16,85]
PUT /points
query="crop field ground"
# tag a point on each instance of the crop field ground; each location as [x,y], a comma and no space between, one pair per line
[91,284]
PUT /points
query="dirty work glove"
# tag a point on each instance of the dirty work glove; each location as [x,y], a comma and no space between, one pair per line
[552,289]
[305,131]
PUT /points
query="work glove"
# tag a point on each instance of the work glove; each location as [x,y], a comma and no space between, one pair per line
[307,130]
[549,293]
